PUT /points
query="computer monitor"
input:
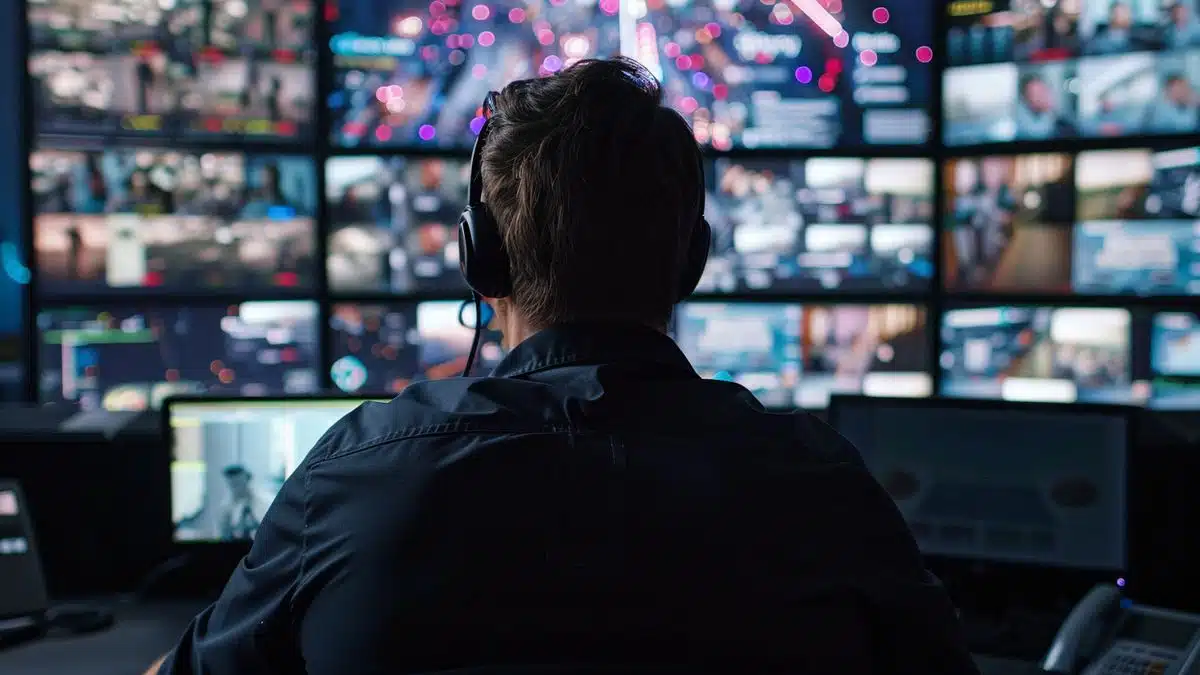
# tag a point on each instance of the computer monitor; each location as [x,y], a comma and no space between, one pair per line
[1042,485]
[230,457]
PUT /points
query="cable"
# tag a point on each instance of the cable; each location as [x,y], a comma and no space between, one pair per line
[478,302]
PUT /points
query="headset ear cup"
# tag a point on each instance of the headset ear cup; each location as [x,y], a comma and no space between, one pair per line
[697,259]
[481,255]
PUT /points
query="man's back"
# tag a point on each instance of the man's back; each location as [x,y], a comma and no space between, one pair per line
[596,502]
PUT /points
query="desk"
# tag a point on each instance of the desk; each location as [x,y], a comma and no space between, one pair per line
[142,634]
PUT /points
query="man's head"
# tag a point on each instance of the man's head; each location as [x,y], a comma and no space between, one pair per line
[238,479]
[1120,16]
[1179,14]
[1037,93]
[595,188]
[1178,89]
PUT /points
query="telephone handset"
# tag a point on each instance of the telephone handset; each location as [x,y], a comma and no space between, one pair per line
[1106,634]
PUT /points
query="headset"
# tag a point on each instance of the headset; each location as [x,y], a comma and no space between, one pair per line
[484,262]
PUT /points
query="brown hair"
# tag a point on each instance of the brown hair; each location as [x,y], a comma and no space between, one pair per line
[595,188]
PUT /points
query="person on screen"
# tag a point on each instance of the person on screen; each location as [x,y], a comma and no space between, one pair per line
[1038,115]
[1183,30]
[592,500]
[1176,111]
[1117,35]
[243,512]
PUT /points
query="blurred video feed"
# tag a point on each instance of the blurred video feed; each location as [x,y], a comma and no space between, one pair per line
[229,459]
[1158,257]
[131,359]
[1139,184]
[194,68]
[1060,354]
[790,75]
[1175,361]
[1008,224]
[820,225]
[125,221]
[1013,30]
[754,345]
[381,348]
[1031,70]
[876,350]
[395,223]
[412,73]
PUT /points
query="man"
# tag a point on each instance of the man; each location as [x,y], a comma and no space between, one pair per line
[1117,36]
[1182,31]
[1176,112]
[593,500]
[242,513]
[1038,117]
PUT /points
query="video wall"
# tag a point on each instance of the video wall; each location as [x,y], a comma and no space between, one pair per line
[262,197]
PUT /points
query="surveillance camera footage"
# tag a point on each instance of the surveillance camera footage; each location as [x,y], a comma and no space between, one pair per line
[1137,232]
[395,223]
[132,359]
[230,458]
[803,74]
[1175,361]
[797,356]
[832,224]
[414,73]
[1039,70]
[204,69]
[1038,354]
[380,349]
[1008,224]
[136,221]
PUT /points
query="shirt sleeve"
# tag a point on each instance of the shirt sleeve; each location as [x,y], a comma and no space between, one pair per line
[250,628]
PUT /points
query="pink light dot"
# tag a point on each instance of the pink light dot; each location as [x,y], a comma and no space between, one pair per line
[452,42]
[881,15]
[516,15]
[610,7]
[437,9]
[683,63]
[383,134]
[868,57]
[672,50]
[481,12]
[546,37]
[714,29]
[466,40]
[427,132]
[487,38]
[688,105]
[924,54]
[841,39]
[479,71]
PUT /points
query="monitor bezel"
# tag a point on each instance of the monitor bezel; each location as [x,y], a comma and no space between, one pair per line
[976,583]
[226,550]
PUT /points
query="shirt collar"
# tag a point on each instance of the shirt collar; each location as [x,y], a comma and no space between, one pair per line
[593,344]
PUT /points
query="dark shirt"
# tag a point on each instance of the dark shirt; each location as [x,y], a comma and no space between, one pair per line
[593,500]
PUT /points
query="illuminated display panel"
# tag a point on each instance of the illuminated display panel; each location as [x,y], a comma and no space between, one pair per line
[394,223]
[820,225]
[1029,70]
[188,69]
[745,74]
[160,221]
[381,348]
[792,355]
[125,358]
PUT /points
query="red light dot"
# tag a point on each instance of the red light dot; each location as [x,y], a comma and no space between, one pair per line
[383,133]
[720,92]
[826,83]
[924,54]
[868,57]
[881,15]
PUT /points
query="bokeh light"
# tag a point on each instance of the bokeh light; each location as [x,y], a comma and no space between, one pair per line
[881,15]
[868,57]
[841,39]
[804,75]
[427,132]
[924,54]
